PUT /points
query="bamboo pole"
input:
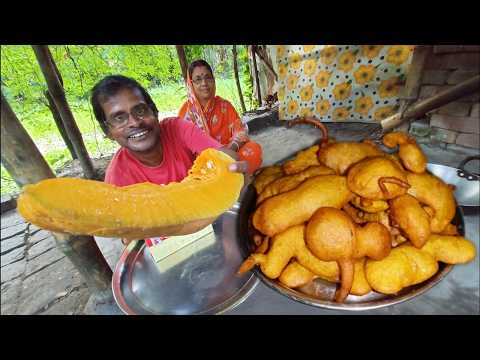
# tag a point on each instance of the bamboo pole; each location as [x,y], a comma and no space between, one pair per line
[183,60]
[58,95]
[237,79]
[433,102]
[255,70]
[26,165]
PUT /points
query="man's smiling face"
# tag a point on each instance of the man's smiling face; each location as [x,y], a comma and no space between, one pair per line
[131,122]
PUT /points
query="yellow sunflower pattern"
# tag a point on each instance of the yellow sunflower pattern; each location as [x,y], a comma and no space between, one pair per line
[358,83]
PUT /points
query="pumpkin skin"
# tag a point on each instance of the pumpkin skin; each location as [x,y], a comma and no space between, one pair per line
[88,207]
[251,152]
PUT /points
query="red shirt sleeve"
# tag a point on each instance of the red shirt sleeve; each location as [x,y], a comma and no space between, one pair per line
[194,138]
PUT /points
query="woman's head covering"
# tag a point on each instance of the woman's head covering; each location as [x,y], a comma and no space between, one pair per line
[195,112]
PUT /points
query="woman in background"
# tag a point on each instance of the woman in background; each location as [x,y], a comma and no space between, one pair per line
[217,116]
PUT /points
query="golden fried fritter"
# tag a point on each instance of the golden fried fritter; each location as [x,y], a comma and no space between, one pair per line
[331,235]
[410,217]
[404,266]
[263,247]
[370,206]
[373,241]
[410,154]
[296,206]
[433,192]
[360,285]
[266,176]
[450,229]
[302,160]
[290,182]
[296,275]
[285,246]
[341,155]
[377,178]
[450,249]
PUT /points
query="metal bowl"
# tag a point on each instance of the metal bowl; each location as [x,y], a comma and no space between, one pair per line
[319,292]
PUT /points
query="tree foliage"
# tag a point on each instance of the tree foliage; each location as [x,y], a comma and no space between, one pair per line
[81,66]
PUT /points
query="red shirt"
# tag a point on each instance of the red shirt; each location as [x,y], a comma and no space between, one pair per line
[182,141]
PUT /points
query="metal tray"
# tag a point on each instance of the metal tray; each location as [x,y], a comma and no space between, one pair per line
[202,281]
[319,292]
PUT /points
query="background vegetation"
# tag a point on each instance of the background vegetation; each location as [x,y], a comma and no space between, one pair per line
[155,66]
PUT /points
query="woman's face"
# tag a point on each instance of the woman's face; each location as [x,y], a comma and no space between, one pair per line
[203,83]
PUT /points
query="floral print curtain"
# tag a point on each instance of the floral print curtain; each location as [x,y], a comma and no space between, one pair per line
[358,83]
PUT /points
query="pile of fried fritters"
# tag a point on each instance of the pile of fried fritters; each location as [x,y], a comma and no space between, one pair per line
[350,213]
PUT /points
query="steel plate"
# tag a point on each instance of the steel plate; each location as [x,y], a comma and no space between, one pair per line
[201,282]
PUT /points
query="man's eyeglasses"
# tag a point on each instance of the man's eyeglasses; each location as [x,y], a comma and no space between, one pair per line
[198,80]
[139,112]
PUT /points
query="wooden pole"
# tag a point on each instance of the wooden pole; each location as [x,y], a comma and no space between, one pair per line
[255,70]
[433,102]
[20,155]
[183,60]
[237,79]
[261,52]
[59,123]
[26,165]
[415,72]
[56,116]
[58,95]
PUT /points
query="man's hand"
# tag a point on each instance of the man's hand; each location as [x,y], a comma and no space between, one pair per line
[237,166]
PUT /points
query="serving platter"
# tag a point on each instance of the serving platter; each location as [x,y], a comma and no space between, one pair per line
[320,292]
[197,279]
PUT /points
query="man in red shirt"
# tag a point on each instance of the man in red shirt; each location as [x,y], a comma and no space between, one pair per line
[153,151]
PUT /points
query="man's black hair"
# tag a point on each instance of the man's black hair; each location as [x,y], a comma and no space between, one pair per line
[110,86]
[197,63]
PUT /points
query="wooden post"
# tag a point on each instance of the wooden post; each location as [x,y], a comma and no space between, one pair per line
[58,96]
[262,54]
[415,72]
[255,70]
[26,165]
[237,80]
[58,121]
[183,60]
[56,116]
[420,108]
[20,155]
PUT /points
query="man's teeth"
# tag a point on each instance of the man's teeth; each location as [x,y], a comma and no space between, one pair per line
[138,134]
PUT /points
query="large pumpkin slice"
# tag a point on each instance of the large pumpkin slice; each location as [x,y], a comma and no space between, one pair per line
[88,207]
